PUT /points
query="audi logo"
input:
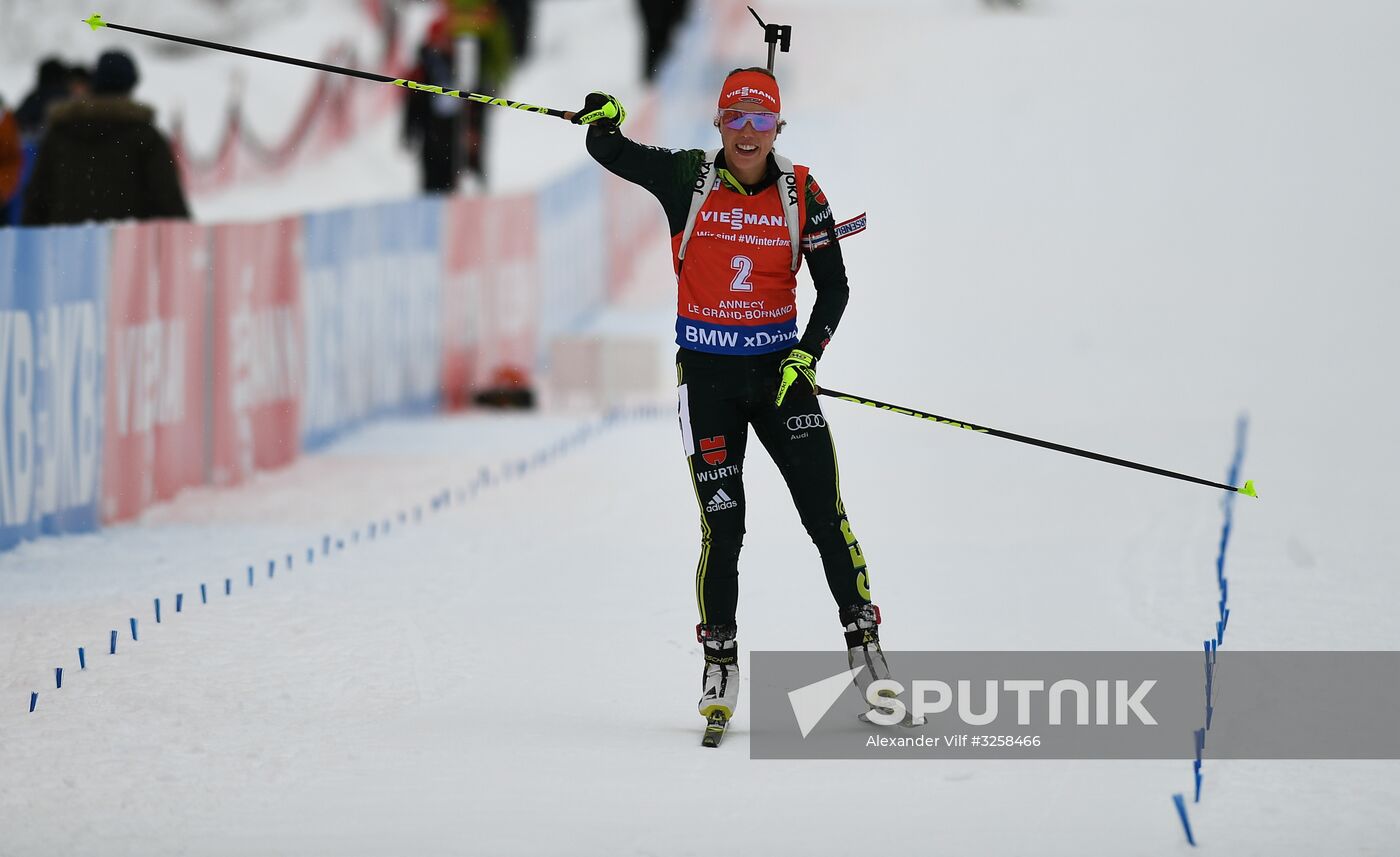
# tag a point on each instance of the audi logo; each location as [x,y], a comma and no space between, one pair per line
[807,421]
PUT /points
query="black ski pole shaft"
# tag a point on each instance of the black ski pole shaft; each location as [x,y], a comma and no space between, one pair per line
[1247,488]
[96,23]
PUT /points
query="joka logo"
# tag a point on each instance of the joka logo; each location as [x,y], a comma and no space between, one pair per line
[720,502]
[806,421]
[712,450]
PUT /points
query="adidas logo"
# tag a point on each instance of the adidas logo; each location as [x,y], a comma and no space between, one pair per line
[720,502]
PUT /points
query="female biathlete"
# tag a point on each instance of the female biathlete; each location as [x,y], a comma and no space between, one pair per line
[742,219]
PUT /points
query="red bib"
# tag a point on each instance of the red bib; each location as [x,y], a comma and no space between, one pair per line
[738,290]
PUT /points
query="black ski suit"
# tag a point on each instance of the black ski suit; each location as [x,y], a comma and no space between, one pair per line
[722,395]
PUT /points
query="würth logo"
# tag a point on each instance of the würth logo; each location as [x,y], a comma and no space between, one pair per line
[712,450]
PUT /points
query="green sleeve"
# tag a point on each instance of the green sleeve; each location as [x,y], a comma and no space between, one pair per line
[667,174]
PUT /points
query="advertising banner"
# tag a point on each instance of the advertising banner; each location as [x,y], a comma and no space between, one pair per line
[510,306]
[373,290]
[573,249]
[258,352]
[464,272]
[155,409]
[52,282]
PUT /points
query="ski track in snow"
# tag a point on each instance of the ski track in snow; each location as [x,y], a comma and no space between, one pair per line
[1110,224]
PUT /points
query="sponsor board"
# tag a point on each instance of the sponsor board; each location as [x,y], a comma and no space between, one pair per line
[258,348]
[155,381]
[510,306]
[52,284]
[465,263]
[371,310]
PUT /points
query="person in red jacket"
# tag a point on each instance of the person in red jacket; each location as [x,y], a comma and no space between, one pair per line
[11,157]
[742,220]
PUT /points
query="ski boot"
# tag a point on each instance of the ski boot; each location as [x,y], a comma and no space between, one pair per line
[862,625]
[719,694]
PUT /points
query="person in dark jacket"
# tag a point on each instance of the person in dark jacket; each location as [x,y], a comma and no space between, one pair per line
[431,121]
[52,87]
[660,18]
[742,221]
[102,157]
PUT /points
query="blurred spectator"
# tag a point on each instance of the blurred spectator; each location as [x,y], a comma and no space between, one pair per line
[660,19]
[79,82]
[430,121]
[102,157]
[11,158]
[520,18]
[483,63]
[34,109]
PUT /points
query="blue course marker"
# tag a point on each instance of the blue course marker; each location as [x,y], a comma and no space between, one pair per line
[113,650]
[33,701]
[1185,822]
[250,575]
[203,594]
[325,545]
[82,658]
[289,562]
[179,601]
[58,678]
[310,555]
[271,568]
[228,586]
[157,611]
[133,629]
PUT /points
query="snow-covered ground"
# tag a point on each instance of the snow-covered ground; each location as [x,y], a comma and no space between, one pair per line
[1113,224]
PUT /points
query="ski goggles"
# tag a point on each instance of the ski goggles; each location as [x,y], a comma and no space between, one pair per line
[761,121]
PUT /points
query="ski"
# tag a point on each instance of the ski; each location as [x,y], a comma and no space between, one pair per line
[714,729]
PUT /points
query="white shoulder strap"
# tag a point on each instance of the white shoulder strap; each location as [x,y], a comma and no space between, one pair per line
[788,191]
[705,182]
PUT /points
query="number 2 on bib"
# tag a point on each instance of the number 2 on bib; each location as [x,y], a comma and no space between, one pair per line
[742,266]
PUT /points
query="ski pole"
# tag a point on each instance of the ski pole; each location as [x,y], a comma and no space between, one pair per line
[96,23]
[1246,489]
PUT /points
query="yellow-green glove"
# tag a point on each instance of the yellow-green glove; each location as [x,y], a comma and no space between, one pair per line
[601,109]
[798,364]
